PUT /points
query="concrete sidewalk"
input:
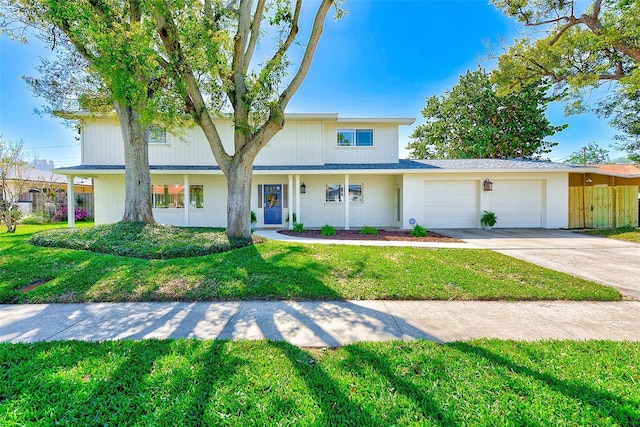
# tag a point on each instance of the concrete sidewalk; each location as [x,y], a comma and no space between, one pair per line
[322,323]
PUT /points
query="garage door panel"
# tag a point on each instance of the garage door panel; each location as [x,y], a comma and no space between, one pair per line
[451,204]
[517,203]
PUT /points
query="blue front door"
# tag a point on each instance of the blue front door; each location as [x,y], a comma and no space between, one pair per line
[273,204]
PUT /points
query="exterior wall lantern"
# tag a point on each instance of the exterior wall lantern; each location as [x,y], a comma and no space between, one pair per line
[303,188]
[487,185]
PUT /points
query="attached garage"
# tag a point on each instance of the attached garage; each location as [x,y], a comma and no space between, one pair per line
[517,203]
[451,204]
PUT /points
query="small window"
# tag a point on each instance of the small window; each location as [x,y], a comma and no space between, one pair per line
[157,135]
[335,193]
[355,137]
[196,196]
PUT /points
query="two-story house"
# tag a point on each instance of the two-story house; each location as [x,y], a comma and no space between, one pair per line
[324,169]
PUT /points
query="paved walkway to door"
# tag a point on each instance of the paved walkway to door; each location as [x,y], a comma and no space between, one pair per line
[608,261]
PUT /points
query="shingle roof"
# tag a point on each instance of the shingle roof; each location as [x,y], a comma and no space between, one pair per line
[485,164]
[401,165]
[628,171]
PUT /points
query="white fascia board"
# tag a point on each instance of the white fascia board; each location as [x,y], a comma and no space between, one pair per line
[617,175]
[394,120]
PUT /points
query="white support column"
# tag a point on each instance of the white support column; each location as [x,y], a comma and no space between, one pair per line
[71,203]
[346,202]
[290,201]
[298,216]
[187,200]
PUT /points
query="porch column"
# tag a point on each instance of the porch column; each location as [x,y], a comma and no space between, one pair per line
[71,202]
[290,202]
[298,217]
[187,200]
[346,202]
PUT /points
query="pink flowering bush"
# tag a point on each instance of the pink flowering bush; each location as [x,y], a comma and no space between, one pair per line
[79,213]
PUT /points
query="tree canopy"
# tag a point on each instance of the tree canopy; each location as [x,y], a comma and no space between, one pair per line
[473,121]
[591,154]
[170,58]
[579,46]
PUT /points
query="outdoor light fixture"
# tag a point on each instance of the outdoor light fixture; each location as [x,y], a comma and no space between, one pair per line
[303,188]
[487,185]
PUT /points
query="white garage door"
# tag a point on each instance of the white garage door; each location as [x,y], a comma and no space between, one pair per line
[517,203]
[451,204]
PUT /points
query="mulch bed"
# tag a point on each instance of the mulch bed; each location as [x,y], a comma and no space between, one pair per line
[382,235]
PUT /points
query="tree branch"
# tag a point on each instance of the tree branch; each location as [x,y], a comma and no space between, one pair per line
[276,115]
[312,44]
[238,67]
[183,73]
[255,33]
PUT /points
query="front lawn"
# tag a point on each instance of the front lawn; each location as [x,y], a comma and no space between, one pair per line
[281,270]
[628,234]
[260,383]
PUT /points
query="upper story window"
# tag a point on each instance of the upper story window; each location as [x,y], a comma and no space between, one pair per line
[157,135]
[355,137]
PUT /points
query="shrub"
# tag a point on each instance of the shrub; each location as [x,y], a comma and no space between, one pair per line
[36,217]
[369,230]
[489,219]
[327,230]
[254,218]
[79,214]
[298,227]
[289,217]
[419,231]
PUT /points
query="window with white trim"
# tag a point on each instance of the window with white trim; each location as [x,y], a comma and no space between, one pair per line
[335,193]
[355,138]
[172,196]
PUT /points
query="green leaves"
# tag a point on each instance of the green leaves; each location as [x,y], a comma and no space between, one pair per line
[580,48]
[472,120]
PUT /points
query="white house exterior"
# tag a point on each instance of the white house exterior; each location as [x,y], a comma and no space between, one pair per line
[305,168]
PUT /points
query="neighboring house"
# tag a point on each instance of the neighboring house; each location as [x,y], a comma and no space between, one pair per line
[607,175]
[38,187]
[605,197]
[325,169]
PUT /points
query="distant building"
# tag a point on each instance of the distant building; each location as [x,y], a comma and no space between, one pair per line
[43,164]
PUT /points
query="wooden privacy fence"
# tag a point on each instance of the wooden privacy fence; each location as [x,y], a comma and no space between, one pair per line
[603,207]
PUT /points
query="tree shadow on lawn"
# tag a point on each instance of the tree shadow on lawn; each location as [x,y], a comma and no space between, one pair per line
[146,382]
[290,273]
[605,404]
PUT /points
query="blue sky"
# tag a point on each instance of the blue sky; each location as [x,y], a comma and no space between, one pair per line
[381,60]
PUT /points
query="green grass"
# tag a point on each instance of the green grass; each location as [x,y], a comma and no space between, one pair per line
[281,270]
[260,383]
[628,234]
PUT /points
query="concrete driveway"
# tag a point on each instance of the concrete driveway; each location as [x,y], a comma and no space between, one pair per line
[608,261]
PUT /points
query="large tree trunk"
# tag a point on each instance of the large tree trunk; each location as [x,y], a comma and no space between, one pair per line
[239,199]
[137,178]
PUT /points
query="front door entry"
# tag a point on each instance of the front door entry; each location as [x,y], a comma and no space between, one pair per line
[273,204]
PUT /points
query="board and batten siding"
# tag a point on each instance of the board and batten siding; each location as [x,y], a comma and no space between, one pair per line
[299,143]
[385,144]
